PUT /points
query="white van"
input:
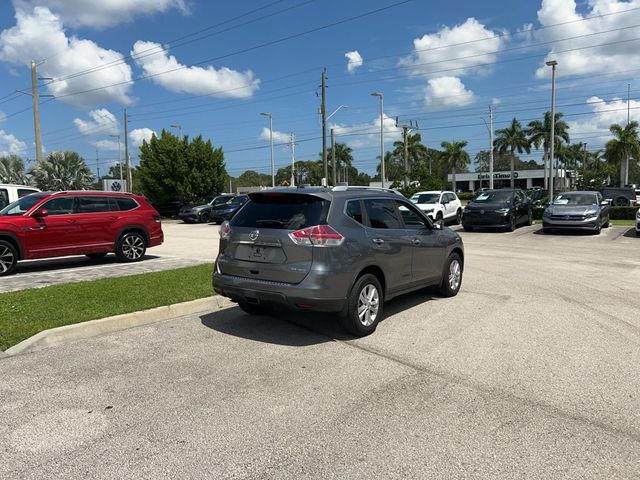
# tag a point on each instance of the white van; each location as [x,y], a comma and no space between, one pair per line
[11,193]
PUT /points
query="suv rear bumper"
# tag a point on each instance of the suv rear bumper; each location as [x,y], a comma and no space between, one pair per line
[289,295]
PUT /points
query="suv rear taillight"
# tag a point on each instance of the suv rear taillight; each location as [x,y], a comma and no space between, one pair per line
[318,236]
[225,230]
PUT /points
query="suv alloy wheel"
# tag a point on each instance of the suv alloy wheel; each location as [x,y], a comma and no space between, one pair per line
[8,258]
[364,308]
[131,247]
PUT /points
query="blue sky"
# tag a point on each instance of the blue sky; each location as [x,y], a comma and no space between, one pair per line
[208,69]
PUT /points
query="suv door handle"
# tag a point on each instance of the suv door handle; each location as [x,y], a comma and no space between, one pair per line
[377,241]
[416,241]
[71,220]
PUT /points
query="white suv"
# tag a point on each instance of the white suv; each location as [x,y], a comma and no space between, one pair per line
[10,193]
[439,205]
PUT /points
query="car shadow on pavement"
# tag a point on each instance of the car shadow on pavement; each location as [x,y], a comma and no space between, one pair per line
[631,233]
[67,263]
[566,233]
[300,329]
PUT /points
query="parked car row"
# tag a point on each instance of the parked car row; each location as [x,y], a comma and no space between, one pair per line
[221,208]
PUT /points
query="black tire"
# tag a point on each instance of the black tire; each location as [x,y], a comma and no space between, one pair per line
[96,256]
[467,228]
[637,233]
[530,218]
[598,228]
[8,258]
[459,216]
[606,224]
[204,217]
[621,201]
[512,223]
[359,298]
[131,247]
[451,276]
[254,309]
[547,230]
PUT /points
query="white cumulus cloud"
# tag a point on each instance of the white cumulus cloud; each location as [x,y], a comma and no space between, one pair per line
[111,145]
[354,60]
[154,59]
[449,54]
[368,134]
[101,13]
[40,34]
[619,54]
[102,122]
[137,136]
[605,113]
[278,137]
[3,117]
[10,145]
[447,92]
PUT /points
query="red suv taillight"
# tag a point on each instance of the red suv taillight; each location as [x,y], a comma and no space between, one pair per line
[318,236]
[225,230]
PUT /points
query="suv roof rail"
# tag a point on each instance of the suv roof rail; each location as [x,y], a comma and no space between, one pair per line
[344,188]
[60,192]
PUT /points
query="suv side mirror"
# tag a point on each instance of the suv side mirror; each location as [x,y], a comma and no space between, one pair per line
[40,213]
[604,203]
[438,225]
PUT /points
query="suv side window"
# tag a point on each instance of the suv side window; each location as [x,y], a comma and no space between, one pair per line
[4,198]
[354,210]
[382,213]
[59,205]
[93,205]
[450,197]
[23,192]
[123,204]
[410,217]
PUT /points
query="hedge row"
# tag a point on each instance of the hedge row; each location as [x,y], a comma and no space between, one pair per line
[615,213]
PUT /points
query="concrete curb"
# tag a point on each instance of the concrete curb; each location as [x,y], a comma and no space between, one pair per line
[92,328]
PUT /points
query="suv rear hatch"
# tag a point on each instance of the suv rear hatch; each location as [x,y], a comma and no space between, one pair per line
[257,243]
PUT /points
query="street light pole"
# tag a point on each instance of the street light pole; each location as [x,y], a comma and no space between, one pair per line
[333,159]
[179,127]
[491,147]
[381,96]
[552,134]
[273,172]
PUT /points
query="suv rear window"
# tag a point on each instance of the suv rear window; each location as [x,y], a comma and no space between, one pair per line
[286,211]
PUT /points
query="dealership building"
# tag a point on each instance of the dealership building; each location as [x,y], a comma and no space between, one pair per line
[525,179]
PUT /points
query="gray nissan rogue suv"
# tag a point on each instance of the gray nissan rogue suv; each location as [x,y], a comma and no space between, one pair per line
[340,250]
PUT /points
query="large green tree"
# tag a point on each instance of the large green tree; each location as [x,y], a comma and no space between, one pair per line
[251,178]
[624,146]
[12,170]
[509,140]
[62,171]
[456,157]
[539,133]
[180,169]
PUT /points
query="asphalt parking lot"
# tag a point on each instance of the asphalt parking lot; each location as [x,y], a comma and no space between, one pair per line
[530,372]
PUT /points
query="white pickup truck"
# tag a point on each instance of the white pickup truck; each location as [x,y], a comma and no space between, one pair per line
[439,205]
[10,193]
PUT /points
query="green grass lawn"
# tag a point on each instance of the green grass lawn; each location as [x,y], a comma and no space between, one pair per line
[628,223]
[27,312]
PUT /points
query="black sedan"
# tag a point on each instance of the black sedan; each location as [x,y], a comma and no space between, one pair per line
[498,208]
[223,212]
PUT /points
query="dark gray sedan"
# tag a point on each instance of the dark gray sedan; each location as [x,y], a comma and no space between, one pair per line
[576,210]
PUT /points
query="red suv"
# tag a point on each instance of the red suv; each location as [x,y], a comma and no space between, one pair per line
[55,224]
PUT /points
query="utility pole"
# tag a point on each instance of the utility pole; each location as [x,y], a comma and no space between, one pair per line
[293,159]
[98,164]
[333,158]
[36,110]
[405,139]
[626,163]
[323,112]
[584,160]
[126,152]
[491,147]
[552,134]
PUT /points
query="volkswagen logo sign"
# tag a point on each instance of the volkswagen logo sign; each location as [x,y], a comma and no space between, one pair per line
[254,235]
[116,186]
[481,212]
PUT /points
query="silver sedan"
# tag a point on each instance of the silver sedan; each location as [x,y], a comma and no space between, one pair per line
[576,210]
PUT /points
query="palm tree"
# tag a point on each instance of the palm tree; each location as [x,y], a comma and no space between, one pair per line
[623,146]
[393,167]
[511,139]
[62,171]
[455,156]
[12,170]
[416,150]
[539,133]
